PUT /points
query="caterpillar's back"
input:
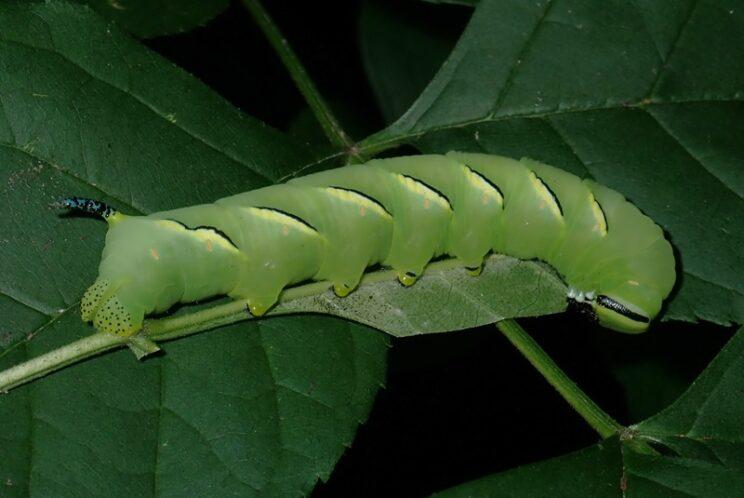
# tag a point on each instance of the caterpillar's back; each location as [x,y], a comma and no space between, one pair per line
[399,212]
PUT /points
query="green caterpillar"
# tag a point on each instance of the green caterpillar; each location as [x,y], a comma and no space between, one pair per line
[400,213]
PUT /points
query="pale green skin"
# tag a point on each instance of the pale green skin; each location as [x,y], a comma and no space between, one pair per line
[150,264]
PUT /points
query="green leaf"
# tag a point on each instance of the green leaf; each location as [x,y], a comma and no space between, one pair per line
[260,408]
[635,95]
[147,19]
[256,409]
[699,441]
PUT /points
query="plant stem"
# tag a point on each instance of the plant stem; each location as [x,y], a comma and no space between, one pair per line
[600,421]
[323,113]
[166,329]
[57,359]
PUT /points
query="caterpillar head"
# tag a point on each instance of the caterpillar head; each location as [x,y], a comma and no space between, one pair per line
[619,314]
[624,308]
[109,310]
[628,307]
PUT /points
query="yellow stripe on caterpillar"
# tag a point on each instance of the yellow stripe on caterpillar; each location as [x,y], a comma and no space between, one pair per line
[547,198]
[600,222]
[489,193]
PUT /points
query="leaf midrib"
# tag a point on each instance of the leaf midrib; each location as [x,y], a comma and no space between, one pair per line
[387,139]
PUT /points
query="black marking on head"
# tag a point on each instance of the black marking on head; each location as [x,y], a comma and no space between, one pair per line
[85,205]
[440,194]
[550,191]
[611,304]
[489,182]
[290,215]
[410,274]
[362,194]
[472,268]
[216,230]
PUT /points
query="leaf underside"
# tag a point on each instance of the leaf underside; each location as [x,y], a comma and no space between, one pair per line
[444,300]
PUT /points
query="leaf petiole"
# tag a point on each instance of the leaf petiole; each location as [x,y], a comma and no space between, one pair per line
[600,421]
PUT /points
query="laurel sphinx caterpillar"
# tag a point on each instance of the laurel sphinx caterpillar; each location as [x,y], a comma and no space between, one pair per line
[401,213]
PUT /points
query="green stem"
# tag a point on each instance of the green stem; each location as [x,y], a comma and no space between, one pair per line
[166,329]
[376,143]
[323,113]
[57,359]
[600,421]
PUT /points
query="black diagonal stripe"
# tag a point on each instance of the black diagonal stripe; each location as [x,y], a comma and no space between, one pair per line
[550,191]
[216,230]
[440,194]
[489,182]
[290,215]
[362,194]
[604,216]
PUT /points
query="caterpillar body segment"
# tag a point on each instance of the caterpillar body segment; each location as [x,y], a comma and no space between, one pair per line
[419,216]
[339,222]
[400,212]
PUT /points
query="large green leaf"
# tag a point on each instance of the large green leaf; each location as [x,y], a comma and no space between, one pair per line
[637,95]
[262,407]
[699,443]
[259,409]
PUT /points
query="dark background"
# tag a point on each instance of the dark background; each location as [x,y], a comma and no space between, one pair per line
[462,405]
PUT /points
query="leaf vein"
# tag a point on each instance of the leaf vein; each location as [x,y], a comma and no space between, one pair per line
[674,46]
[147,105]
[514,69]
[690,153]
